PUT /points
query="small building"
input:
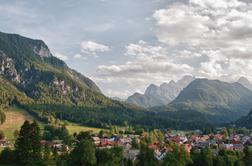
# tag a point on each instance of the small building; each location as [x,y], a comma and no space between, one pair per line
[238,147]
[96,140]
[4,143]
[226,146]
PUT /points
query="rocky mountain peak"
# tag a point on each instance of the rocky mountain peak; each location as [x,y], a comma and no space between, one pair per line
[245,82]
[42,50]
[160,95]
[185,80]
[151,89]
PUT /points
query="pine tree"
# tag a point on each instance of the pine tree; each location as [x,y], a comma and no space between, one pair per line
[248,156]
[178,156]
[83,154]
[207,157]
[28,147]
[146,156]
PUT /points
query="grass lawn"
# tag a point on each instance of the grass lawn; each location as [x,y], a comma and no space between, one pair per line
[15,118]
[74,128]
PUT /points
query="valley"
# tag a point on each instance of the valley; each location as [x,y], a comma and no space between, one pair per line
[126,83]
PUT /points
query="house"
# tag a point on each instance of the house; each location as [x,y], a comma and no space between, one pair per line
[174,138]
[218,137]
[154,146]
[226,146]
[238,147]
[60,146]
[183,139]
[4,143]
[104,142]
[96,140]
[245,139]
[248,142]
[204,138]
[195,138]
[160,154]
[202,145]
[235,139]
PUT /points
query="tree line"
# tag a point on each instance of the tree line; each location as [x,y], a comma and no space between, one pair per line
[29,151]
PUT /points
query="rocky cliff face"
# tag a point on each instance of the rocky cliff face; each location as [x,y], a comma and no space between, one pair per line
[31,67]
[42,51]
[7,68]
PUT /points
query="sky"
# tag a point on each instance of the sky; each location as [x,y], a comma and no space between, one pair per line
[125,45]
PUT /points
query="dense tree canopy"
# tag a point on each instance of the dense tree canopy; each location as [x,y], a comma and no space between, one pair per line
[27,147]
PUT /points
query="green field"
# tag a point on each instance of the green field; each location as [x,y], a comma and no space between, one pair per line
[73,128]
[15,118]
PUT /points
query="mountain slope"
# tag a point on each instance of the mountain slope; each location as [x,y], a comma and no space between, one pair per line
[160,95]
[245,121]
[245,82]
[222,102]
[29,65]
[32,78]
[144,100]
[10,94]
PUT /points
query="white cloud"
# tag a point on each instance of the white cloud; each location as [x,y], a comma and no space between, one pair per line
[79,56]
[90,47]
[144,51]
[204,38]
[147,64]
[208,24]
[218,31]
[61,56]
[145,60]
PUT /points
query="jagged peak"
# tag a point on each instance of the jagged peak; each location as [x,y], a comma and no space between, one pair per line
[150,88]
[243,80]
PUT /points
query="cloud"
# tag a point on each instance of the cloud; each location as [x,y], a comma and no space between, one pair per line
[79,56]
[218,32]
[145,60]
[147,64]
[90,47]
[142,50]
[205,24]
[61,56]
[204,38]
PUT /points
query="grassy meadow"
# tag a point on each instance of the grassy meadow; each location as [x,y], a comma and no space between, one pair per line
[15,118]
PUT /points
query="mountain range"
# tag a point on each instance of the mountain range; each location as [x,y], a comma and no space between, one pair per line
[33,79]
[160,95]
[222,102]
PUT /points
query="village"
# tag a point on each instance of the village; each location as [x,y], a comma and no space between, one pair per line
[130,143]
[157,141]
[215,142]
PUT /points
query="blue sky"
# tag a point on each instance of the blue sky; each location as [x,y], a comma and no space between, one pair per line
[125,45]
